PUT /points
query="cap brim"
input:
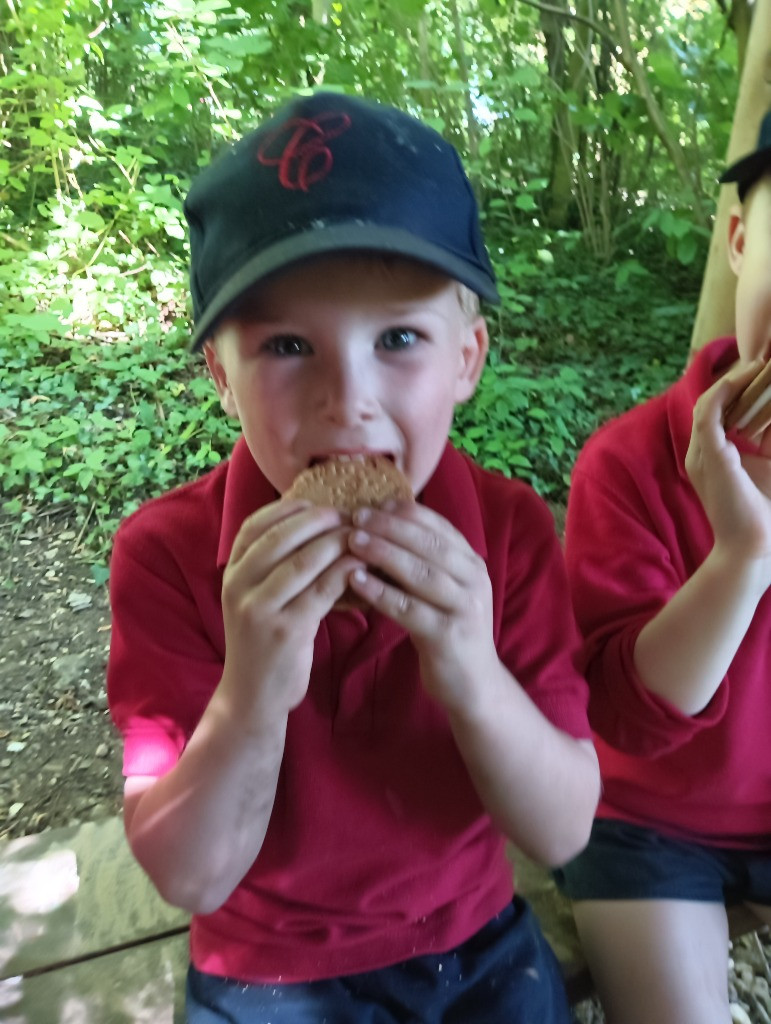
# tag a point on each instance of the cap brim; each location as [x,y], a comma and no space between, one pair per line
[339,238]
[749,168]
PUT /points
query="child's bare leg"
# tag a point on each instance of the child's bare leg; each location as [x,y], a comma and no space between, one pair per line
[657,961]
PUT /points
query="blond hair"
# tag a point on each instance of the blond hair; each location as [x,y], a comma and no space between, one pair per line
[468,300]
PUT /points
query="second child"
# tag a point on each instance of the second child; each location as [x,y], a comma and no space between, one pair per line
[668,544]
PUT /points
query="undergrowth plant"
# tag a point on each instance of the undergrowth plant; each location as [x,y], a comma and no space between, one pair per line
[101,411]
[108,109]
[572,345]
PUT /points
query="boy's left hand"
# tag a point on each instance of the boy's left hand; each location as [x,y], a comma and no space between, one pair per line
[438,589]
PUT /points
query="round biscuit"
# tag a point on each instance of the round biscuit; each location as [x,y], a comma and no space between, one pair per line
[348,484]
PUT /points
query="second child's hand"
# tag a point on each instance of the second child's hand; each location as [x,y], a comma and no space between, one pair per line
[734,487]
[685,651]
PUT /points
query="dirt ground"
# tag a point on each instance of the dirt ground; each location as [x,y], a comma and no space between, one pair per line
[59,754]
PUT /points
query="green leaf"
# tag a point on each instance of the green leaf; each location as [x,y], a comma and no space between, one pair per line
[249,44]
[100,574]
[409,8]
[525,115]
[30,459]
[626,270]
[686,249]
[90,219]
[41,323]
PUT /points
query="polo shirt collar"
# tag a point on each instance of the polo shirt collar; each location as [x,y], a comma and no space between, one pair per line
[246,490]
[451,491]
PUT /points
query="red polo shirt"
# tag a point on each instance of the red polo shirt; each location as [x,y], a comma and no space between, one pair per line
[378,847]
[635,532]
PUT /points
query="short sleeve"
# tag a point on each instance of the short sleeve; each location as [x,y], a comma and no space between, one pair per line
[538,640]
[166,648]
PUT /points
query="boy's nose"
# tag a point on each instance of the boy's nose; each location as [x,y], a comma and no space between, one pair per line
[345,393]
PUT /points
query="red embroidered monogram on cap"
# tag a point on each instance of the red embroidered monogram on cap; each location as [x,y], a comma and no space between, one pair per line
[305,158]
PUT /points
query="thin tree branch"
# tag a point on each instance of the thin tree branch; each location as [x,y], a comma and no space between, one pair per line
[623,51]
[473,139]
[595,26]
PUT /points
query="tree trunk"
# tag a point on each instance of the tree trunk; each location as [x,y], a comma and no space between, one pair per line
[739,20]
[658,120]
[560,191]
[568,71]
[715,315]
[472,128]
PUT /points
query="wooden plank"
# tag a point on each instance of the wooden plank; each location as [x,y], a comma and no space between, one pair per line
[141,985]
[85,937]
[68,894]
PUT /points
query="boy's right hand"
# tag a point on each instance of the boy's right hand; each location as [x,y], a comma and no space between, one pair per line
[289,564]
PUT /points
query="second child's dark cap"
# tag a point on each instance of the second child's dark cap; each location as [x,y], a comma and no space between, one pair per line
[745,172]
[330,173]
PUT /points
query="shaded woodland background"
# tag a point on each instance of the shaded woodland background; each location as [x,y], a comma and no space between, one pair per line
[594,133]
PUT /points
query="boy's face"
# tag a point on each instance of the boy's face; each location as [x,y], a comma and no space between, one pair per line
[347,355]
[750,257]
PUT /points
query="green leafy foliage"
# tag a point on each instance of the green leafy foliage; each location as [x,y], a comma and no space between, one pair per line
[575,345]
[102,428]
[110,107]
[106,423]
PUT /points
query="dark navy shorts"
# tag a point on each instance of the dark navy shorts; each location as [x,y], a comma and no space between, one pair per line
[629,862]
[505,974]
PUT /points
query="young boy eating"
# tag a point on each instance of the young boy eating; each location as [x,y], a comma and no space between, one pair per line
[328,790]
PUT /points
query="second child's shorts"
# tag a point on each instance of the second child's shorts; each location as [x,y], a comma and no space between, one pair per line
[629,862]
[505,974]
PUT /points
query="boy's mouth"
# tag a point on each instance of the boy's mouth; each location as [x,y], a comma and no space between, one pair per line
[358,456]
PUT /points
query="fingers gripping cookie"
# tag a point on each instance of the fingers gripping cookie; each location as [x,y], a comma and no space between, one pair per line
[349,484]
[751,411]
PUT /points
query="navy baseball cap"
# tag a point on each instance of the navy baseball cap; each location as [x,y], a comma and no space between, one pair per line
[745,172]
[330,173]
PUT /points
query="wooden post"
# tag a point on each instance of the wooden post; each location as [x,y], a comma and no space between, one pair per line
[715,315]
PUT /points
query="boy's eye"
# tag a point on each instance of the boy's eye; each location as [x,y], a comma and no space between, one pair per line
[286,345]
[396,338]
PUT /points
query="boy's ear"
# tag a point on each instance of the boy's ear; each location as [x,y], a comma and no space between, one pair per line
[220,378]
[473,355]
[736,233]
